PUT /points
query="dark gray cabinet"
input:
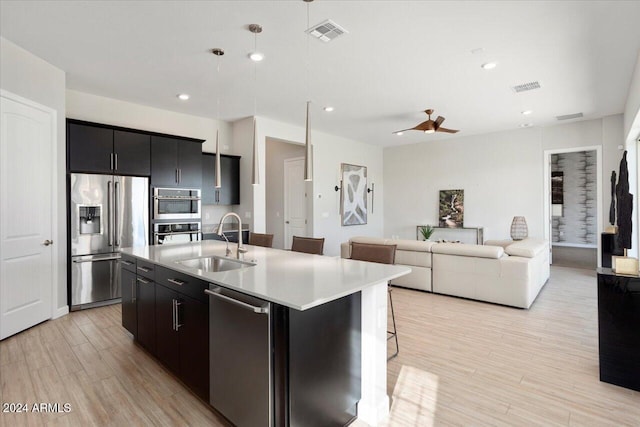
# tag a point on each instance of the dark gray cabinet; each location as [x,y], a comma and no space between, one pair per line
[176,162]
[129,293]
[182,328]
[229,193]
[146,313]
[95,148]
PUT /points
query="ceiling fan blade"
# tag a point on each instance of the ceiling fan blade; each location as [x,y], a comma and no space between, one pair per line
[424,125]
[438,122]
[447,130]
[403,130]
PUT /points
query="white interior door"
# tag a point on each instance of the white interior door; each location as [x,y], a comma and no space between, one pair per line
[26,186]
[295,205]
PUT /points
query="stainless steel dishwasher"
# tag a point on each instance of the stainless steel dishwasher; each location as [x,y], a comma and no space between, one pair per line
[240,354]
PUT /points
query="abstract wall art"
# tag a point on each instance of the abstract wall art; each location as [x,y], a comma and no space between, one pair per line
[354,194]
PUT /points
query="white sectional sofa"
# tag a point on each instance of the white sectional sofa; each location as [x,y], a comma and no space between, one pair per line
[508,273]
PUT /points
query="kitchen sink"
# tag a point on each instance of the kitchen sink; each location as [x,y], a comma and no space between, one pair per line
[215,263]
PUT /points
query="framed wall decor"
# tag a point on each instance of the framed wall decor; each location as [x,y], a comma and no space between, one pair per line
[451,208]
[353,201]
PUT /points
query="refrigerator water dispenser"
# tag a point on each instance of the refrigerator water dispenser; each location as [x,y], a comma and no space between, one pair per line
[90,219]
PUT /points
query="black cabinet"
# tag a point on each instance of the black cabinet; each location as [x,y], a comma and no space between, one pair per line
[167,344]
[129,312]
[95,148]
[146,313]
[618,331]
[182,328]
[229,193]
[176,162]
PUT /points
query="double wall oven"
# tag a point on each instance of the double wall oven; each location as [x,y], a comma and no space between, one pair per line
[176,215]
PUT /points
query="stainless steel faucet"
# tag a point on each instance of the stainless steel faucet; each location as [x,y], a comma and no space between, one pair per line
[241,249]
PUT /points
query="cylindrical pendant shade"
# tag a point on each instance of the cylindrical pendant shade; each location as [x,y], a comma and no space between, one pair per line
[255,171]
[308,161]
[218,183]
[519,230]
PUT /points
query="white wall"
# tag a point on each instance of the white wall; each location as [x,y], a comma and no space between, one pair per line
[277,151]
[501,173]
[329,151]
[30,77]
[632,107]
[93,108]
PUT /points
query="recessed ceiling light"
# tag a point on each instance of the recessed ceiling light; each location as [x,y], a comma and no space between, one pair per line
[489,65]
[328,109]
[399,133]
[256,56]
[526,125]
[183,97]
[526,112]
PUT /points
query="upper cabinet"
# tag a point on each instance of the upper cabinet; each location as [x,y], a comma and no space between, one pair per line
[229,193]
[176,162]
[96,148]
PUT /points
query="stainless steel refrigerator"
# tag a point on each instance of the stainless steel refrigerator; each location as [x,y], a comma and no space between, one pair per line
[107,213]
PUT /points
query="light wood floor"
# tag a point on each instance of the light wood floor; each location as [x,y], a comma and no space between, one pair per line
[461,363]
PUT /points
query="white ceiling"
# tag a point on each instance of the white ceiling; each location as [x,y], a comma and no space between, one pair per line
[399,58]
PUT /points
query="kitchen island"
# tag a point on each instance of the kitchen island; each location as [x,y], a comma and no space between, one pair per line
[301,336]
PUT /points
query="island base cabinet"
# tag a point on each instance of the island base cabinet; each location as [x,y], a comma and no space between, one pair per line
[182,338]
[317,363]
[146,313]
[167,340]
[129,312]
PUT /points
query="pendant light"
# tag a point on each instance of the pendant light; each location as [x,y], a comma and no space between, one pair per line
[218,181]
[308,161]
[255,171]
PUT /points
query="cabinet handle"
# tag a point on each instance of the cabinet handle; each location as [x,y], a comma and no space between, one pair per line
[178,324]
[116,161]
[179,175]
[133,290]
[176,282]
[126,262]
[146,270]
[177,179]
[173,313]
[111,161]
[141,280]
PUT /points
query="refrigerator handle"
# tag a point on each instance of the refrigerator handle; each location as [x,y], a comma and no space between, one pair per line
[109,214]
[116,227]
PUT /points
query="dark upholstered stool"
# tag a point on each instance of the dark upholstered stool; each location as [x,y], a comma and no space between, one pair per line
[257,239]
[308,245]
[384,254]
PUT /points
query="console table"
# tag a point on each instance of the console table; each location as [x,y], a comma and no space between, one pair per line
[619,328]
[473,235]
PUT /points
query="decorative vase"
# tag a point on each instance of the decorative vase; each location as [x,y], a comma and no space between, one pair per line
[519,228]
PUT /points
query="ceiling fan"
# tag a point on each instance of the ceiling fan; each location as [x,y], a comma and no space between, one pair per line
[430,126]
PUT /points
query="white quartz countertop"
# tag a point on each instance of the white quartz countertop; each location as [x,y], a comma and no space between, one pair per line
[296,280]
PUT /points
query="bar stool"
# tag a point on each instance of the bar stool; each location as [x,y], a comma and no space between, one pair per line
[264,240]
[384,254]
[308,245]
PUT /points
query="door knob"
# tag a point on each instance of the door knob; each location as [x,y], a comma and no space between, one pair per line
[286,222]
[47,242]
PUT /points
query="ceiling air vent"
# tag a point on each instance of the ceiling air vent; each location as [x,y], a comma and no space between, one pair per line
[526,86]
[326,31]
[569,116]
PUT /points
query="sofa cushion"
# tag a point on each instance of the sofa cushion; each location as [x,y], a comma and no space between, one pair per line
[461,249]
[401,244]
[527,248]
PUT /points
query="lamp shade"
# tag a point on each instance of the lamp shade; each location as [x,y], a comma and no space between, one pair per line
[519,228]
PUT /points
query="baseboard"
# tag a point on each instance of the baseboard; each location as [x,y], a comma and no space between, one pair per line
[62,311]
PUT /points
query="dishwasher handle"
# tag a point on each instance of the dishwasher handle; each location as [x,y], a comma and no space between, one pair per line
[216,293]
